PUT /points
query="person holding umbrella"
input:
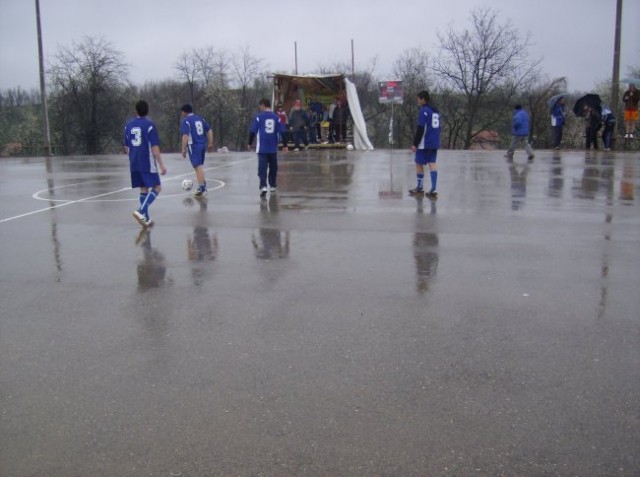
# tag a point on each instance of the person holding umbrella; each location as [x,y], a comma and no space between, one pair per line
[558,117]
[630,98]
[589,107]
[520,131]
[592,124]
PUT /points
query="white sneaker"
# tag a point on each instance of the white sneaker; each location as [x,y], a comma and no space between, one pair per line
[631,136]
[263,192]
[274,189]
[626,136]
[142,220]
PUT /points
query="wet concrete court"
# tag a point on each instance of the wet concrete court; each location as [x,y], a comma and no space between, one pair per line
[339,327]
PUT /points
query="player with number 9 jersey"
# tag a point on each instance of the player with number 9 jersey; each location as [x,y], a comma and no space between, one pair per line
[267,129]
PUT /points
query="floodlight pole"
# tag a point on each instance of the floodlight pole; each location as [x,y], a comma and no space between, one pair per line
[615,77]
[42,86]
[353,63]
[295,52]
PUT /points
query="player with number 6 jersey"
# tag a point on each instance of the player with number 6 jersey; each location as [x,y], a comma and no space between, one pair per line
[425,144]
[268,130]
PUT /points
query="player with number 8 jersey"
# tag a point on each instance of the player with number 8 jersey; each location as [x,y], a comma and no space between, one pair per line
[268,130]
[197,137]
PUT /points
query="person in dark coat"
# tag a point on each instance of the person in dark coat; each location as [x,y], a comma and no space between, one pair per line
[592,125]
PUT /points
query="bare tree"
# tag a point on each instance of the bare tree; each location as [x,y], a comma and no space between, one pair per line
[202,69]
[536,99]
[89,95]
[412,68]
[487,64]
[189,70]
[247,71]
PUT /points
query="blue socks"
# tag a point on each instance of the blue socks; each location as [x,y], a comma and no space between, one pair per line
[434,180]
[146,201]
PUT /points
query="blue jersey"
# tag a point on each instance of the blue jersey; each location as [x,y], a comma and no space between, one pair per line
[267,128]
[140,135]
[196,128]
[520,123]
[429,121]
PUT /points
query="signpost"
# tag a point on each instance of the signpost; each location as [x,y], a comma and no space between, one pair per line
[390,92]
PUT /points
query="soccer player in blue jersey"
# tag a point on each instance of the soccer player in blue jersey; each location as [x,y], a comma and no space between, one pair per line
[425,145]
[142,143]
[197,137]
[267,128]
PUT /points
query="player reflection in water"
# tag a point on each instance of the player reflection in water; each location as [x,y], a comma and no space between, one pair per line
[202,246]
[425,247]
[271,242]
[151,269]
[518,174]
[556,179]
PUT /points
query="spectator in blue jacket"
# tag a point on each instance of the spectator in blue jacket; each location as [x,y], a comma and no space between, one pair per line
[558,117]
[609,123]
[520,131]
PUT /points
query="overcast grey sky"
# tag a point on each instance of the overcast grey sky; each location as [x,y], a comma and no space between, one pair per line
[574,38]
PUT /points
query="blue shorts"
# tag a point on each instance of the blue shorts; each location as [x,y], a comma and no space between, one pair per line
[426,156]
[196,154]
[144,179]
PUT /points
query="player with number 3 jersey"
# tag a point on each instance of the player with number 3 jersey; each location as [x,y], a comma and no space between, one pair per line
[142,144]
[425,144]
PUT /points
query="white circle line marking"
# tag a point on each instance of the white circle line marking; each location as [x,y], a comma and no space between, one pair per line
[57,206]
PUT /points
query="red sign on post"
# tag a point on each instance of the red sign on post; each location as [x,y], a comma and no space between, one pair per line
[390,92]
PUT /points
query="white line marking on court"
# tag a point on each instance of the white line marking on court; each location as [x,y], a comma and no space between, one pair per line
[87,199]
[37,196]
[62,205]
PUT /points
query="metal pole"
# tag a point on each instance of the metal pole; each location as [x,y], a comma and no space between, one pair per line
[295,50]
[391,141]
[615,77]
[42,86]
[353,63]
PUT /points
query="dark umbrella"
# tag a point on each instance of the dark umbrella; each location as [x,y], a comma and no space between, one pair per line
[551,102]
[635,81]
[592,100]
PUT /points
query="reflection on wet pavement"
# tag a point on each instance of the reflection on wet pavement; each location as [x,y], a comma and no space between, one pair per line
[337,327]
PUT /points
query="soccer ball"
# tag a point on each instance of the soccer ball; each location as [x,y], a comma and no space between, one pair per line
[187,184]
[349,147]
